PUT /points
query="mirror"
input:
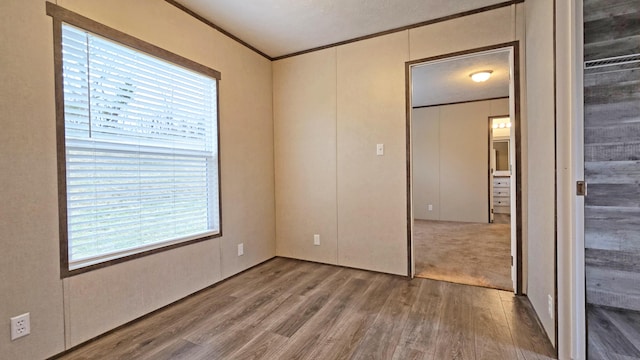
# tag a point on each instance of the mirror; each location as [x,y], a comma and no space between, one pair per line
[500,141]
[501,149]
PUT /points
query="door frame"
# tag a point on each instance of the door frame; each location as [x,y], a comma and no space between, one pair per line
[571,332]
[515,48]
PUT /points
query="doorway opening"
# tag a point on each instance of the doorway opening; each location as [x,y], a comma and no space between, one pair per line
[501,162]
[463,146]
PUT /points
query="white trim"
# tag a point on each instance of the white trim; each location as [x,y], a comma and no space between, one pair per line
[578,333]
[570,156]
[513,175]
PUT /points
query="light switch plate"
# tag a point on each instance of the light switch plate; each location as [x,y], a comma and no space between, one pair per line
[316,239]
[380,149]
[240,249]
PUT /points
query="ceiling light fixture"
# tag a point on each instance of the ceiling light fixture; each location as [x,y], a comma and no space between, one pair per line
[481,76]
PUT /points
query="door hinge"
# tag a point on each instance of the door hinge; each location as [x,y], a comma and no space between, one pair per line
[511,260]
[581,188]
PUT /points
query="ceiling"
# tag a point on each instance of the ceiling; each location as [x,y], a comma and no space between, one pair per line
[282,27]
[447,81]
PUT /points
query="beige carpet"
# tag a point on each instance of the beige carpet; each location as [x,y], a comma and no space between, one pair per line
[466,253]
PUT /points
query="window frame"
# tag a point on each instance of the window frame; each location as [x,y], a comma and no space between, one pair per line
[61,15]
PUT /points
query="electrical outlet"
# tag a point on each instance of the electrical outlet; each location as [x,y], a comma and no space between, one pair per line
[240,249]
[316,239]
[20,326]
[430,207]
[550,300]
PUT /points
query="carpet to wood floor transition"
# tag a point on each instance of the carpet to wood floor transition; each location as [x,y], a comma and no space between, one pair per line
[462,252]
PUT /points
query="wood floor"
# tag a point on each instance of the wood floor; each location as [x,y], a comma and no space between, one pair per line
[290,309]
[611,170]
[463,252]
[614,334]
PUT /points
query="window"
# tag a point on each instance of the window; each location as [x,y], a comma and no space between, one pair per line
[139,166]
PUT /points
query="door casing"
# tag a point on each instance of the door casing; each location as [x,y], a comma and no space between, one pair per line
[515,110]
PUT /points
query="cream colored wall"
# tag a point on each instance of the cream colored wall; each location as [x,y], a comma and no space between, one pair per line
[29,265]
[464,162]
[501,133]
[370,109]
[469,32]
[425,144]
[331,108]
[305,89]
[541,157]
[372,220]
[86,305]
[451,173]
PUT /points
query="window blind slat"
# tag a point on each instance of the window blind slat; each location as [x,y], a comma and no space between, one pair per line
[142,79]
[124,216]
[133,59]
[153,220]
[140,145]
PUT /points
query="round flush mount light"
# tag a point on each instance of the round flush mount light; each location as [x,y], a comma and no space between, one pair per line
[481,76]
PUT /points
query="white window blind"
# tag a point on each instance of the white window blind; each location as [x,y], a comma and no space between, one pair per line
[141,150]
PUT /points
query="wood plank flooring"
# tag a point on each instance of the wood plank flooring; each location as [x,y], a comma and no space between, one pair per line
[463,252]
[614,333]
[611,28]
[612,168]
[291,309]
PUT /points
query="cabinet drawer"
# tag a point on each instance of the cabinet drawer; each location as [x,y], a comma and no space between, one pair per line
[498,191]
[501,201]
[501,182]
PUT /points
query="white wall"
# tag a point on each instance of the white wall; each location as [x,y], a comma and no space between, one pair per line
[451,160]
[541,157]
[86,305]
